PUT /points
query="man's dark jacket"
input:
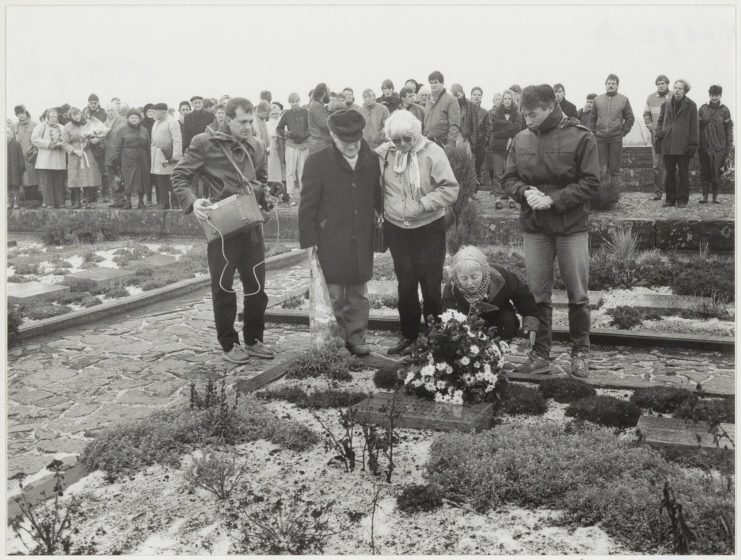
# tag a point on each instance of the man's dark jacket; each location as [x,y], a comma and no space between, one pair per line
[560,159]
[678,129]
[568,108]
[336,212]
[195,123]
[218,176]
[297,121]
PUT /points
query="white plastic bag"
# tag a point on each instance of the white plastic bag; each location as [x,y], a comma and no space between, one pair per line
[322,322]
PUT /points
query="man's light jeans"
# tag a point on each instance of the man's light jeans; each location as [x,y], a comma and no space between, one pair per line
[351,309]
[295,159]
[572,252]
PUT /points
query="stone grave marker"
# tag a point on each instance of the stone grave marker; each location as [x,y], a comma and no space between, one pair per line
[26,292]
[422,414]
[681,434]
[103,277]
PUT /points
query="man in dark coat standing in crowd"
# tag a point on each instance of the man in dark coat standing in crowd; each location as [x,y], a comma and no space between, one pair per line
[336,217]
[567,107]
[196,121]
[716,141]
[552,171]
[224,175]
[677,137]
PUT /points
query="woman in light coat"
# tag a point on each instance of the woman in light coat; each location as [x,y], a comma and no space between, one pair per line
[83,171]
[51,162]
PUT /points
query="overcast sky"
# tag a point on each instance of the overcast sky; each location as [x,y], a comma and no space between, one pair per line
[58,54]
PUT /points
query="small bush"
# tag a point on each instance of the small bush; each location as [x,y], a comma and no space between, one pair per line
[514,262]
[294,436]
[565,390]
[218,473]
[660,399]
[625,317]
[169,250]
[77,229]
[419,497]
[607,411]
[60,271]
[90,301]
[327,362]
[91,257]
[719,410]
[81,285]
[25,269]
[652,270]
[705,277]
[521,399]
[19,279]
[116,292]
[44,311]
[387,378]
[317,399]
[72,297]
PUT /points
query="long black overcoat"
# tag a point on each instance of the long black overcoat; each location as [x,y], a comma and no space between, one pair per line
[337,212]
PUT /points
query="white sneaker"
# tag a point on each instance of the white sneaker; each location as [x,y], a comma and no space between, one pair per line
[259,350]
[236,355]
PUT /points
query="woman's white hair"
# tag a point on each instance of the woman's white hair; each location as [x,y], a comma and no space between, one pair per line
[402,122]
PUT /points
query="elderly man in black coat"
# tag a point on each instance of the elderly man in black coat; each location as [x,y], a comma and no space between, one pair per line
[336,217]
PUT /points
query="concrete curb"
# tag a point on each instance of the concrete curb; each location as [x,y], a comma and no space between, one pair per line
[608,337]
[98,312]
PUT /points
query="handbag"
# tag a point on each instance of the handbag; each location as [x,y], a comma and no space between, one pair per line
[32,153]
[234,214]
[379,241]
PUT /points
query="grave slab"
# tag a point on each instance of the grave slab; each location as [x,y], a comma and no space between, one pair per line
[681,434]
[425,415]
[27,292]
[154,261]
[103,277]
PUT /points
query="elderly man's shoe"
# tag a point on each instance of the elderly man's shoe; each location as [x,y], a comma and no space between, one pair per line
[400,345]
[535,364]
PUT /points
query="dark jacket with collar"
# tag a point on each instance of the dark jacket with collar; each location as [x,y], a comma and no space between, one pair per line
[195,123]
[560,159]
[296,121]
[678,129]
[337,212]
[220,180]
[506,293]
[568,108]
[501,129]
[391,103]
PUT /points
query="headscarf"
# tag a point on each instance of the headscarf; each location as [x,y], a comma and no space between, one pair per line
[467,254]
[403,160]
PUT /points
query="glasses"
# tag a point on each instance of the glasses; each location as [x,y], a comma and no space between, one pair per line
[405,139]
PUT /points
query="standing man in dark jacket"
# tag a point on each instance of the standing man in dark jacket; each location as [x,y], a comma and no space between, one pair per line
[584,115]
[567,107]
[442,113]
[389,97]
[716,141]
[407,96]
[224,175]
[93,109]
[552,171]
[677,134]
[612,119]
[196,121]
[336,218]
[293,127]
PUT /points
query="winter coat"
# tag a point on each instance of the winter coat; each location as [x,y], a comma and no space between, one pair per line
[220,180]
[469,120]
[81,171]
[391,103]
[560,159]
[716,128]
[438,187]
[443,118]
[41,137]
[585,117]
[114,126]
[502,129]
[16,164]
[318,128]
[99,114]
[22,134]
[677,132]
[337,212]
[568,108]
[195,123]
[166,140]
[297,123]
[653,109]
[611,116]
[375,117]
[417,111]
[506,293]
[130,150]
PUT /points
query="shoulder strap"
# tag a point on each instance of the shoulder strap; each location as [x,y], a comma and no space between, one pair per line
[247,182]
[383,184]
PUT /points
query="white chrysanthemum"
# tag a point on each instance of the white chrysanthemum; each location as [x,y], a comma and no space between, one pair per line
[409,378]
[428,370]
[487,369]
[465,361]
[474,349]
[440,384]
[452,314]
[449,369]
[430,386]
[477,364]
[441,366]
[418,383]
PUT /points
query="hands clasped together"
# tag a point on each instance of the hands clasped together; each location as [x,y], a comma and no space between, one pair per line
[537,200]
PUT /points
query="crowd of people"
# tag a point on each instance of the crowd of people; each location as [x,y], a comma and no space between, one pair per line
[347,165]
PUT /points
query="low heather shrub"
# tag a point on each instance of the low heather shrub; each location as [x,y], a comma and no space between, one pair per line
[218,473]
[521,399]
[660,399]
[25,269]
[607,411]
[317,399]
[705,277]
[565,390]
[44,311]
[387,378]
[116,292]
[328,362]
[718,410]
[84,228]
[81,285]
[626,317]
[419,497]
[293,435]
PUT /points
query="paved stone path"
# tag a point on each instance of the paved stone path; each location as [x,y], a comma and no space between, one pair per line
[64,387]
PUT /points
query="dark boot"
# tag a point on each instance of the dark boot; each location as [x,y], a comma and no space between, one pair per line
[127,202]
[705,189]
[715,194]
[141,201]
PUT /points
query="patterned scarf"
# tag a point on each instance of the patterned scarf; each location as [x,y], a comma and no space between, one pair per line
[402,161]
[479,293]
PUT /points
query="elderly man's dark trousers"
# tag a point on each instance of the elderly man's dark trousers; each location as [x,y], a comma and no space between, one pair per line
[677,191]
[243,252]
[419,255]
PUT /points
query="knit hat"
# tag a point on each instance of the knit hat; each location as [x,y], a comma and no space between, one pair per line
[21,109]
[715,90]
[347,125]
[93,97]
[133,111]
[160,107]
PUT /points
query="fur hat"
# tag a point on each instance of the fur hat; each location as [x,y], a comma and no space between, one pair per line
[160,106]
[347,125]
[18,109]
[134,111]
[715,90]
[93,97]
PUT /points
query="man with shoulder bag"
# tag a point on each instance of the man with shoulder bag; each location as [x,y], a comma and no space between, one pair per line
[232,165]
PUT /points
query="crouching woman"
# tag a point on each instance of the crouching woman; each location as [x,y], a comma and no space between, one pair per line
[491,292]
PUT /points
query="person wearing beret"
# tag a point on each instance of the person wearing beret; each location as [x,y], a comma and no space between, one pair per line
[418,187]
[336,219]
[167,149]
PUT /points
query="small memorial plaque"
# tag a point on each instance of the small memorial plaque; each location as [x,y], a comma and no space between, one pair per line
[413,412]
